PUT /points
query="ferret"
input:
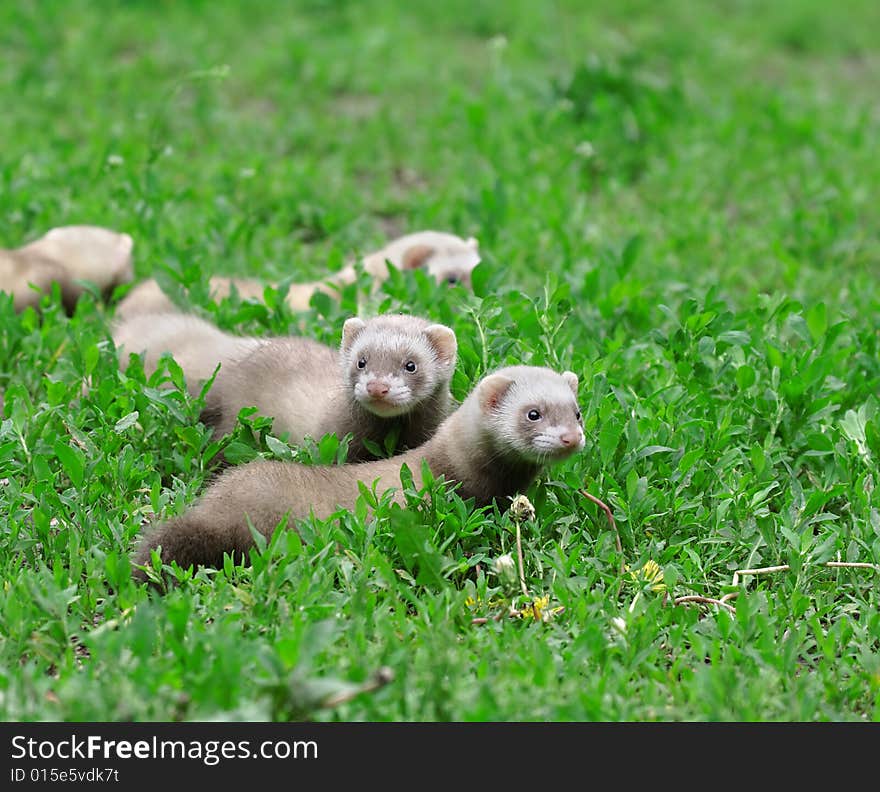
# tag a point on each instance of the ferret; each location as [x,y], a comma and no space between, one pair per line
[196,344]
[391,371]
[448,258]
[148,298]
[26,277]
[66,255]
[515,422]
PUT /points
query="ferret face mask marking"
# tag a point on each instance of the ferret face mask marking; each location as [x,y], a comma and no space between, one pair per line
[543,423]
[390,368]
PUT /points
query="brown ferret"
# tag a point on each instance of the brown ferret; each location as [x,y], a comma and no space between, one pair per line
[392,372]
[65,256]
[446,257]
[515,422]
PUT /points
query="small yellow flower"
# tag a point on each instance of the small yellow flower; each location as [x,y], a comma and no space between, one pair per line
[538,609]
[539,604]
[650,573]
[476,602]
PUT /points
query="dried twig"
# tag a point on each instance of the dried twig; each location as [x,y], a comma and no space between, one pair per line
[759,571]
[786,567]
[604,506]
[485,620]
[851,564]
[725,598]
[382,677]
[706,600]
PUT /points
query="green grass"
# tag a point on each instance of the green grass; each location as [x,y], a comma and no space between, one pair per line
[676,201]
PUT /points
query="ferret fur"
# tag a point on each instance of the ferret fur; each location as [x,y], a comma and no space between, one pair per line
[490,445]
[448,258]
[307,388]
[66,255]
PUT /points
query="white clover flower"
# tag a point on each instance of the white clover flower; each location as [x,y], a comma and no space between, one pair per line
[505,567]
[522,509]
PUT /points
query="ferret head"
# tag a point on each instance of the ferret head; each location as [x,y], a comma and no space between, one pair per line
[395,362]
[532,412]
[446,257]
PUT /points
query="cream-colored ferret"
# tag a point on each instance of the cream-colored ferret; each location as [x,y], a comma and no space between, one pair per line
[446,257]
[514,423]
[66,255]
[390,374]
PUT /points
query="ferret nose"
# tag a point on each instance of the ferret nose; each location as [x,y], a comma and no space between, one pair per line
[569,438]
[377,388]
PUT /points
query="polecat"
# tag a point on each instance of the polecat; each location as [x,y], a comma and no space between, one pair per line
[514,422]
[448,258]
[66,255]
[392,371]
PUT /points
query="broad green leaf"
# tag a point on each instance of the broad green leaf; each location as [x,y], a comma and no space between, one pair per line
[72,460]
[126,421]
[817,321]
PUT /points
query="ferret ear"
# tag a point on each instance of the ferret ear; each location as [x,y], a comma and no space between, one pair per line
[444,342]
[125,243]
[416,256]
[472,243]
[351,330]
[571,379]
[492,390]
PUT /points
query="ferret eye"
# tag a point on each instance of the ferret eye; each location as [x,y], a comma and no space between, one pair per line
[410,366]
[362,363]
[452,280]
[534,415]
[577,415]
